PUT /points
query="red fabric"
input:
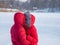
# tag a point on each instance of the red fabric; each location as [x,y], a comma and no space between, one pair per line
[20,35]
[32,35]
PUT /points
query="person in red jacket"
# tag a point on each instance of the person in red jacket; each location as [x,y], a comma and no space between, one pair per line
[23,32]
[30,28]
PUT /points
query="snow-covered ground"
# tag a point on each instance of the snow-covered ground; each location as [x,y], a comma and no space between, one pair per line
[47,24]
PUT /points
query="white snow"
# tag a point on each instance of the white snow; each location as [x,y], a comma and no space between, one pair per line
[47,24]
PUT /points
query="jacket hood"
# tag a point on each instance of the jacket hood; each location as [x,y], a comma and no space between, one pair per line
[19,18]
[32,19]
[31,22]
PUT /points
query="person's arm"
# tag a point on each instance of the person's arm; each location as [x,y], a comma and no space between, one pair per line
[22,36]
[33,37]
[14,41]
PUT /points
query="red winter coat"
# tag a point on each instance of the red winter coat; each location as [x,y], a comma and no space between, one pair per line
[20,34]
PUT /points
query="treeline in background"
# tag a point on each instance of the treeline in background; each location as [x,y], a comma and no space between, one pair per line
[31,4]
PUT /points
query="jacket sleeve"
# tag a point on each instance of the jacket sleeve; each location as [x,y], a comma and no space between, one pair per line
[33,37]
[13,39]
[22,36]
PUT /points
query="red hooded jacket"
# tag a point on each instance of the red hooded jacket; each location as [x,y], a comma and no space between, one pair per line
[20,34]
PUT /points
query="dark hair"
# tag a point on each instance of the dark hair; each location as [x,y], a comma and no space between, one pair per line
[28,18]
